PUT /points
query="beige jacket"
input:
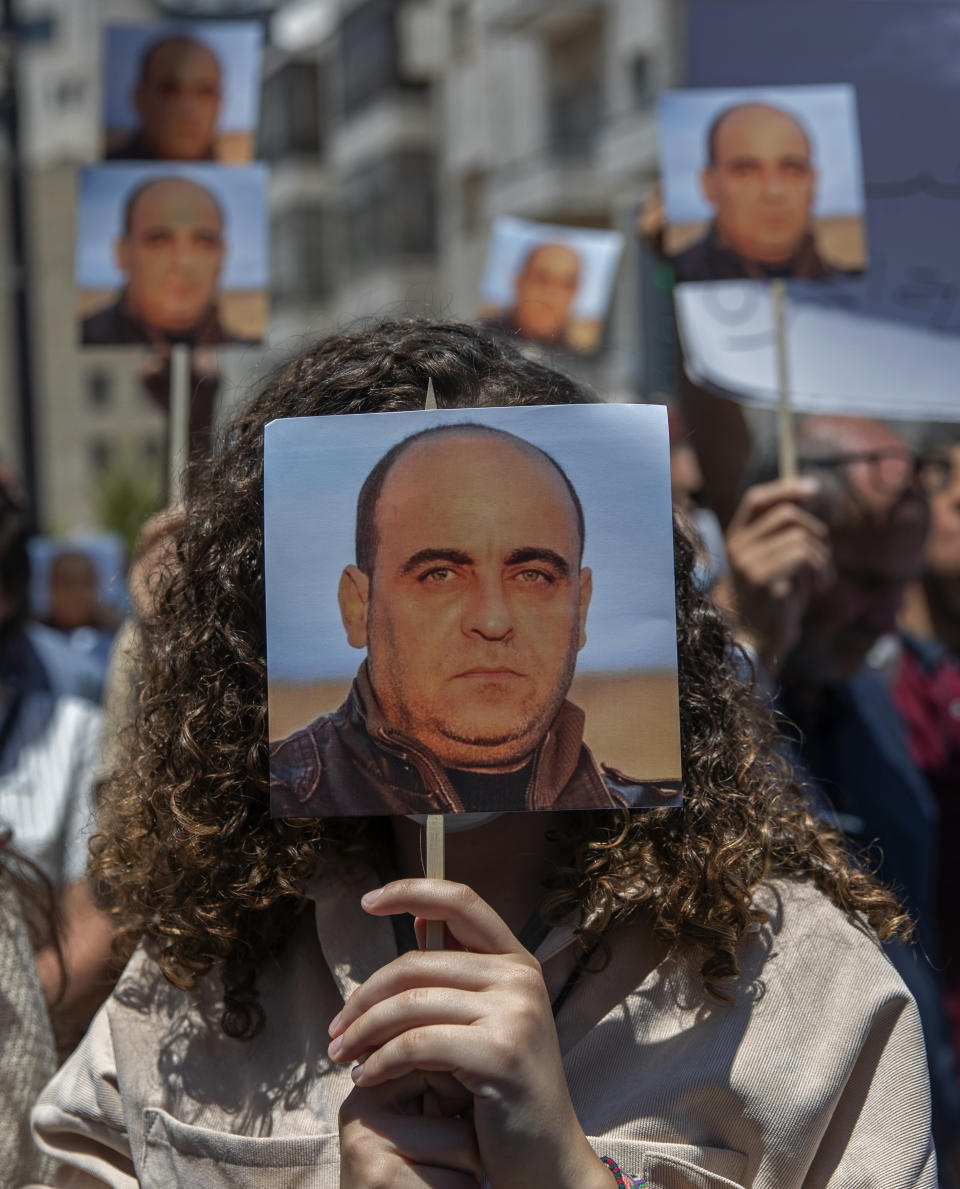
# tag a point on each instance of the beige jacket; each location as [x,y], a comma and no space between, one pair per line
[813,1076]
[27,1055]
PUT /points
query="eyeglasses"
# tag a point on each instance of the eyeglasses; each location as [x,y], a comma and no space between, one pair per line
[891,471]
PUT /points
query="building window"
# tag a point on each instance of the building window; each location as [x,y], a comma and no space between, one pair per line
[290,123]
[389,208]
[472,187]
[300,266]
[641,80]
[100,454]
[369,56]
[576,89]
[99,389]
[461,28]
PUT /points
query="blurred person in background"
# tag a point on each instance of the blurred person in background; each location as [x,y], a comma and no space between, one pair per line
[75,611]
[150,567]
[926,687]
[48,753]
[819,566]
[177,98]
[687,494]
[33,658]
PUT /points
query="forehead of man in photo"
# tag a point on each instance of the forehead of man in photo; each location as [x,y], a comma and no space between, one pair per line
[469,593]
[178,98]
[545,288]
[878,519]
[760,179]
[171,251]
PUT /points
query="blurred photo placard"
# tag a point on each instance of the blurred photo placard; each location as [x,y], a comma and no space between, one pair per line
[840,361]
[762,183]
[172,253]
[182,92]
[549,284]
[886,344]
[471,610]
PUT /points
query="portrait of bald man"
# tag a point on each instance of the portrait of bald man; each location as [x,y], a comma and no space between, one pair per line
[177,99]
[469,597]
[760,178]
[170,248]
[544,291]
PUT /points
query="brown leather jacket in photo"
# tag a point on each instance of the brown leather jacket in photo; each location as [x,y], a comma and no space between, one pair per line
[353,762]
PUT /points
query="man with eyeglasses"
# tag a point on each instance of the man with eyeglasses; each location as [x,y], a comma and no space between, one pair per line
[819,566]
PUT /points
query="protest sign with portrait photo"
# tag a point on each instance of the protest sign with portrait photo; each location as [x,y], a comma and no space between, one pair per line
[549,284]
[471,611]
[176,92]
[762,183]
[172,254]
[885,344]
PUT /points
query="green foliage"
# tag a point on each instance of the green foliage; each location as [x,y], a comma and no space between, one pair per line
[125,494]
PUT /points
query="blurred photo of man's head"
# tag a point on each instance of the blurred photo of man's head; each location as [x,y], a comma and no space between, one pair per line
[177,99]
[545,289]
[171,250]
[760,178]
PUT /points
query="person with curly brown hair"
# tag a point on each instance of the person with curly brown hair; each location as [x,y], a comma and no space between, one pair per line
[696,993]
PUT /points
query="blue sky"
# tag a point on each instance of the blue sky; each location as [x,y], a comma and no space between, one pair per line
[511,240]
[616,456]
[237,44]
[240,189]
[830,114]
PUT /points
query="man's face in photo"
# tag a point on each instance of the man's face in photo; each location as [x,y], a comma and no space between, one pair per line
[476,607]
[545,288]
[761,183]
[178,100]
[172,254]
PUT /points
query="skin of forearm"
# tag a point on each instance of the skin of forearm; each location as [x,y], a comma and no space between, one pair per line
[85,978]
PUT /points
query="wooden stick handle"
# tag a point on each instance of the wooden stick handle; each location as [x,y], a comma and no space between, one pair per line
[179,447]
[435,870]
[786,442]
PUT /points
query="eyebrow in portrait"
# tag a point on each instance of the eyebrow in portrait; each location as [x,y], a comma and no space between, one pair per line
[519,557]
[453,557]
[458,557]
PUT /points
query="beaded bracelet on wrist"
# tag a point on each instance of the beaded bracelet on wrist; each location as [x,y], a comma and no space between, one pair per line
[624,1180]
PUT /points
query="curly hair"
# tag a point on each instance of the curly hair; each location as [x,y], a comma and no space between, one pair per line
[188,857]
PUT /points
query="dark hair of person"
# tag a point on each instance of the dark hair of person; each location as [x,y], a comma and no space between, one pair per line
[14,558]
[713,131]
[366,532]
[188,856]
[135,194]
[181,39]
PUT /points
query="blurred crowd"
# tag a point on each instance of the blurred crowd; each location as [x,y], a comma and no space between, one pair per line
[841,585]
